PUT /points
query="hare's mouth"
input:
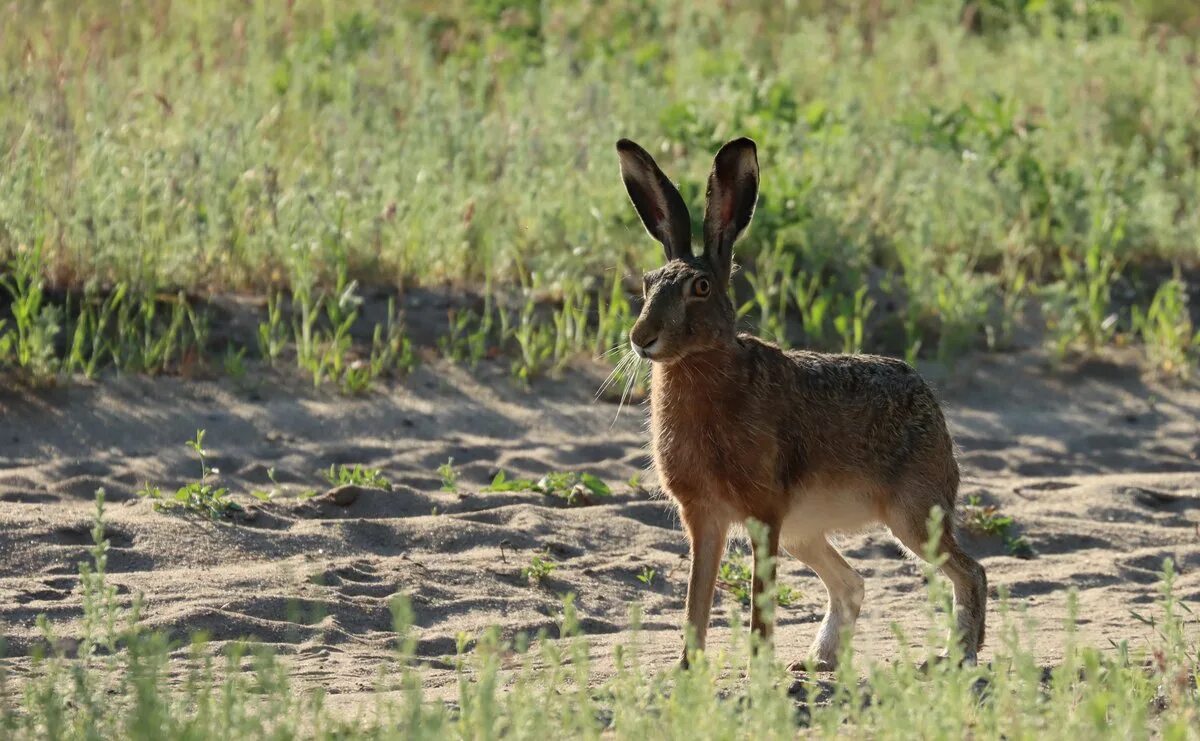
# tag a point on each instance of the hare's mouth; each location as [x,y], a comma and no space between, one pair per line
[647,350]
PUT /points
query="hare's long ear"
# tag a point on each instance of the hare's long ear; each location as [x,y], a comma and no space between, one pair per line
[732,193]
[657,201]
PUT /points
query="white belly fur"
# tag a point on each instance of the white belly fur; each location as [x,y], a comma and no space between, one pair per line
[817,511]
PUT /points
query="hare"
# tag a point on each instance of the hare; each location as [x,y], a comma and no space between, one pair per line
[808,444]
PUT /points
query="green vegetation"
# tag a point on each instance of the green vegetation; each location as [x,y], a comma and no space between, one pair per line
[737,577]
[574,488]
[200,497]
[1166,328]
[448,476]
[987,520]
[114,683]
[269,496]
[538,569]
[205,497]
[358,476]
[929,169]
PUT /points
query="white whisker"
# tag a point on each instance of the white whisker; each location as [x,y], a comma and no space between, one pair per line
[612,376]
[632,364]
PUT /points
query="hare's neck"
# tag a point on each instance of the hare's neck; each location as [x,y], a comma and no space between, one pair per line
[692,388]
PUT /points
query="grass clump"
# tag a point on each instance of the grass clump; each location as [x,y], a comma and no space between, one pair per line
[1165,326]
[1079,307]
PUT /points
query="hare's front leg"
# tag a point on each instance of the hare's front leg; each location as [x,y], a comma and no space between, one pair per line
[707,536]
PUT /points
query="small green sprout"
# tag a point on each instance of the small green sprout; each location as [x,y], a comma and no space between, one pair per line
[538,569]
[449,476]
[200,496]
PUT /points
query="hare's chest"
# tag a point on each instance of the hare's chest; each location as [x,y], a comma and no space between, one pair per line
[700,457]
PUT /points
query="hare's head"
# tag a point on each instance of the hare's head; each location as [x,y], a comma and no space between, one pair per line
[687,307]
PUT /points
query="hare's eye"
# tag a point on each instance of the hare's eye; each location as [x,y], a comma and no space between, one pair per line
[701,287]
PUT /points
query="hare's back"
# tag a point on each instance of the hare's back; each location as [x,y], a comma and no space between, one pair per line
[860,381]
[864,413]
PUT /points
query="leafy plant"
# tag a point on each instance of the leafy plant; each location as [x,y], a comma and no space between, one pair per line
[574,488]
[272,332]
[199,497]
[736,576]
[635,483]
[769,284]
[535,344]
[851,320]
[538,569]
[469,333]
[646,576]
[36,323]
[813,299]
[449,476]
[987,520]
[1078,307]
[357,476]
[501,482]
[1165,327]
[234,362]
[268,496]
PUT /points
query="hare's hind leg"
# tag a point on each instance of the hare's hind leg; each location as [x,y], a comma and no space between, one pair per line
[845,588]
[765,555]
[964,572]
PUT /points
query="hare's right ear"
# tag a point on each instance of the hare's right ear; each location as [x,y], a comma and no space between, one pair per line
[732,194]
[657,201]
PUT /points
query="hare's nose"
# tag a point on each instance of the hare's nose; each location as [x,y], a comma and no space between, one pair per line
[645,349]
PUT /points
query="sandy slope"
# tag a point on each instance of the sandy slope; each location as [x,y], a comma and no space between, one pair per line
[1099,469]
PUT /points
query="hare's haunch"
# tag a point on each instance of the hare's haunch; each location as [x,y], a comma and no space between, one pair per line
[806,443]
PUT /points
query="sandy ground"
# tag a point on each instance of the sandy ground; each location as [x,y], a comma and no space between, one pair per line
[1098,467]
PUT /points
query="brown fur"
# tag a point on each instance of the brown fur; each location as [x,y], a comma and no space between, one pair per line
[805,443]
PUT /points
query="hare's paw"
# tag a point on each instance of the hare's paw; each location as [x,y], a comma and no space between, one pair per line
[813,664]
[942,658]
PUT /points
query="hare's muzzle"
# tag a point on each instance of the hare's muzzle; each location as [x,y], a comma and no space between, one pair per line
[644,349]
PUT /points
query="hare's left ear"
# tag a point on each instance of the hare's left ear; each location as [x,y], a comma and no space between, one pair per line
[732,194]
[657,201]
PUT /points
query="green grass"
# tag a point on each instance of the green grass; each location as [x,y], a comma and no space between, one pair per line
[922,180]
[115,684]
